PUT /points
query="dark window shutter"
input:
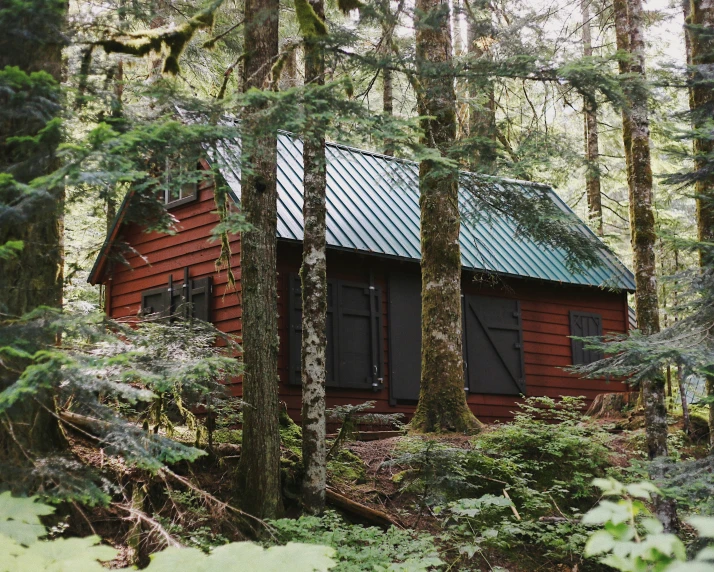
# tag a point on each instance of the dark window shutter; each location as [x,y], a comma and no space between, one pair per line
[404,336]
[155,301]
[359,332]
[193,299]
[584,324]
[295,332]
[195,296]
[200,298]
[494,346]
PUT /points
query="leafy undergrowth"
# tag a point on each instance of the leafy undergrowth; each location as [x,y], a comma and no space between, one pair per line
[511,498]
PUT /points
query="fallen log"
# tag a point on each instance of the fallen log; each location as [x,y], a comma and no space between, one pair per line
[364,512]
[92,427]
[87,425]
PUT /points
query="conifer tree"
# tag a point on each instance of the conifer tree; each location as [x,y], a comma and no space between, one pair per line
[314,275]
[701,44]
[482,112]
[31,221]
[258,477]
[442,403]
[592,153]
[642,225]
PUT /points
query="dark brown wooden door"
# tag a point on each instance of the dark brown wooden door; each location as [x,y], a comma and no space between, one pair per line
[354,324]
[493,346]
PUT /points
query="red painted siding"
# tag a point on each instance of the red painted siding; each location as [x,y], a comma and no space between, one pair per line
[544,306]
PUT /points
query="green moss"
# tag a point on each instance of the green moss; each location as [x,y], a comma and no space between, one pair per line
[290,435]
[311,25]
[175,39]
[346,467]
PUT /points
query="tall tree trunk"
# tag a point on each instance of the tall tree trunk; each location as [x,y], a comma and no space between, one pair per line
[482,111]
[592,153]
[387,86]
[701,41]
[643,246]
[34,277]
[460,85]
[314,288]
[442,403]
[258,476]
[622,36]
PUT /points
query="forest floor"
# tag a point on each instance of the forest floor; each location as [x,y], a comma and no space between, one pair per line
[534,476]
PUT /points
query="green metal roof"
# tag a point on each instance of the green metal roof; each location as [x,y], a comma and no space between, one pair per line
[373,206]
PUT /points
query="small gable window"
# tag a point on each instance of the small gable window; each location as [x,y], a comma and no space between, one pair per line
[583,325]
[189,299]
[179,183]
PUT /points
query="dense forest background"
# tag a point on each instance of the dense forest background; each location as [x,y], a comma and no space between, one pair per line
[118,442]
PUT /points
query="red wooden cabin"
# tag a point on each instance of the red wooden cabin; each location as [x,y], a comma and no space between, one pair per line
[520,300]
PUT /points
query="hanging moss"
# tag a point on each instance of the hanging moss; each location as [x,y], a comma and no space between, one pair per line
[311,25]
[277,70]
[220,196]
[140,44]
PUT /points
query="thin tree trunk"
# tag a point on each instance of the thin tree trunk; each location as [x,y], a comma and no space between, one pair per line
[387,84]
[461,87]
[685,405]
[702,105]
[592,153]
[258,476]
[442,403]
[643,246]
[482,111]
[314,290]
[622,36]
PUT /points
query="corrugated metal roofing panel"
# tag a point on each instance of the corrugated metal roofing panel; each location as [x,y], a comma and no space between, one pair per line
[373,206]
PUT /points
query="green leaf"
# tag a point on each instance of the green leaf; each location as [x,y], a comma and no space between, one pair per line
[608,511]
[706,554]
[173,559]
[642,490]
[9,549]
[599,543]
[652,525]
[294,556]
[246,557]
[66,555]
[690,567]
[20,518]
[620,531]
[703,524]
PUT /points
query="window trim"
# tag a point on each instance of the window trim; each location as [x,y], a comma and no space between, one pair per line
[183,200]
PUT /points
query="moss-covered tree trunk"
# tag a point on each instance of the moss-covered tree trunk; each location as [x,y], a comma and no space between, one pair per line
[314,284]
[592,152]
[482,111]
[32,40]
[642,225]
[701,43]
[442,403]
[258,476]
